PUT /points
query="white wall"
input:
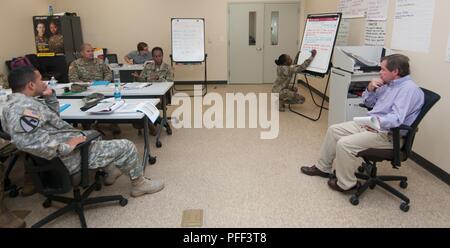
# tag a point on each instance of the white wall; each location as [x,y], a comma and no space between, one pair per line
[16,25]
[119,25]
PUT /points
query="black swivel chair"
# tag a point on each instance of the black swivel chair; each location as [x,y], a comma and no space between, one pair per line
[396,155]
[51,178]
[12,156]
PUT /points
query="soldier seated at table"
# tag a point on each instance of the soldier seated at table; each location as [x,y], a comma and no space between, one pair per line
[87,69]
[156,71]
[35,127]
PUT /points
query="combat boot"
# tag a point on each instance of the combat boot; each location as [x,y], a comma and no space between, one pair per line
[144,185]
[28,188]
[112,173]
[9,220]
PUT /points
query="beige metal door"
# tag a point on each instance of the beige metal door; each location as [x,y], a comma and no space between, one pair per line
[280,35]
[258,34]
[246,24]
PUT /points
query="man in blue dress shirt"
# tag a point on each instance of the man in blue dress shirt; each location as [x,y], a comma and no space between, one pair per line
[395,100]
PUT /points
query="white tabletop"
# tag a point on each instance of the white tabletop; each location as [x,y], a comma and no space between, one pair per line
[74,113]
[126,67]
[156,89]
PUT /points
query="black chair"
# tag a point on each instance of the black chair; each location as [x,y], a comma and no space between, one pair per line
[112,58]
[368,169]
[51,178]
[12,156]
[8,65]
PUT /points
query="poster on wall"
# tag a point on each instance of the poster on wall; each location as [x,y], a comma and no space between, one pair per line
[47,35]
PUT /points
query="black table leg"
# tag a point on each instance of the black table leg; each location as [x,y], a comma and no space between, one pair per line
[147,154]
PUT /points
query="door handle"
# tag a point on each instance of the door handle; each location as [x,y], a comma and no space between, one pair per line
[259,49]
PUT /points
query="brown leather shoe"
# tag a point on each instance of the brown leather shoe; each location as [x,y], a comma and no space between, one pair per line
[334,186]
[314,171]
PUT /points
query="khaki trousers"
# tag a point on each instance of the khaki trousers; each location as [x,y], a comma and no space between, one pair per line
[342,142]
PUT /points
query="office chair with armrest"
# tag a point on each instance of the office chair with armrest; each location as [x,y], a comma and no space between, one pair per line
[12,155]
[8,65]
[52,178]
[396,155]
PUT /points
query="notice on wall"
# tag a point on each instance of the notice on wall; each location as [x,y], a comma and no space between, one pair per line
[345,8]
[447,57]
[352,8]
[413,24]
[343,34]
[377,10]
[375,33]
[359,8]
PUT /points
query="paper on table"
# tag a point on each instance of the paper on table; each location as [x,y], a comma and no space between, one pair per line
[149,110]
[62,86]
[106,107]
[145,107]
[136,85]
[102,88]
[127,108]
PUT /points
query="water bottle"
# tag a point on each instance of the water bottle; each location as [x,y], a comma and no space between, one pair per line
[117,94]
[50,10]
[106,61]
[52,83]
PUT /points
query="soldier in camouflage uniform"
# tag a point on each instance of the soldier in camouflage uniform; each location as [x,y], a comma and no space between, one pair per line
[158,71]
[3,81]
[7,218]
[56,41]
[285,71]
[87,68]
[36,127]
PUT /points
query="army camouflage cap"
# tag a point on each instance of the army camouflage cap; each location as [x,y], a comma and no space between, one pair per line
[78,87]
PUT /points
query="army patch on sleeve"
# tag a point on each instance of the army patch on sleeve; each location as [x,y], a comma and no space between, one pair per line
[29,123]
[31,113]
